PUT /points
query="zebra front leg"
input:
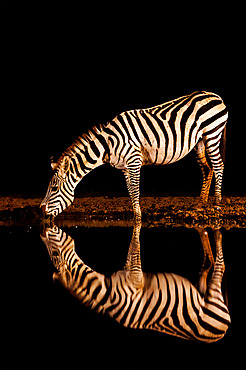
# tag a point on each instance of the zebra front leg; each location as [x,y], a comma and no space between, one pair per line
[132,176]
[134,248]
[133,261]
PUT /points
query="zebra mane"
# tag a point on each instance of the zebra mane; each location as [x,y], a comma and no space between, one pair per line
[84,139]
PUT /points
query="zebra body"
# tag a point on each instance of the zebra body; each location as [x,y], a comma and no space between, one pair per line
[166,133]
[164,302]
[167,303]
[159,135]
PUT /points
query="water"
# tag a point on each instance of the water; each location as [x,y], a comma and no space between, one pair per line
[46,320]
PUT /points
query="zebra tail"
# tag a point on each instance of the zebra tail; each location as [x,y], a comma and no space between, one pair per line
[223,145]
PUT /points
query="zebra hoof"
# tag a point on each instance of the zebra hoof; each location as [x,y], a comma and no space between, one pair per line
[199,206]
[217,205]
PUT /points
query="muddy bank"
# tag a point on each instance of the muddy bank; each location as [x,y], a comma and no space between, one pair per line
[107,211]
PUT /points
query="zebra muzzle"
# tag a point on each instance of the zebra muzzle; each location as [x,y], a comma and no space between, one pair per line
[47,220]
[43,213]
[43,210]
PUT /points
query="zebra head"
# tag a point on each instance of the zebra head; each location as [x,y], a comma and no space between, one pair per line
[60,247]
[53,239]
[60,193]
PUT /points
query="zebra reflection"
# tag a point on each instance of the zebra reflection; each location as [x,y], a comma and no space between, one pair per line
[164,302]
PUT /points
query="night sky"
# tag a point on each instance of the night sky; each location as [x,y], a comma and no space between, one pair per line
[57,85]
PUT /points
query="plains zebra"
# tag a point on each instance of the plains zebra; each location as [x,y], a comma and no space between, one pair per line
[160,135]
[164,302]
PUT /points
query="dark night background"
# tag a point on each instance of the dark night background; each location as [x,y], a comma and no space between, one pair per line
[60,78]
[66,69]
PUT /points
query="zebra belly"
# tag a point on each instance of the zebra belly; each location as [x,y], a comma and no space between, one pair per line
[162,156]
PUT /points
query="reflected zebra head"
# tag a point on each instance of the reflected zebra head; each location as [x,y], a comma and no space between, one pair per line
[60,192]
[59,246]
[56,241]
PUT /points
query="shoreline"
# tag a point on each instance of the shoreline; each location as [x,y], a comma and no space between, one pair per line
[103,211]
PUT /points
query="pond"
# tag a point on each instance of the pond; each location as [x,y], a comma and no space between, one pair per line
[168,267]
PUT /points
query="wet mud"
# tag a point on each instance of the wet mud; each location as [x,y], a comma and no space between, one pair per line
[117,211]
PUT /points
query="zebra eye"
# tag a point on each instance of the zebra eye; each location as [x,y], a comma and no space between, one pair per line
[54,187]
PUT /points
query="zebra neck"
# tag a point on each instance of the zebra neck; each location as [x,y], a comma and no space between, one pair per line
[79,279]
[88,152]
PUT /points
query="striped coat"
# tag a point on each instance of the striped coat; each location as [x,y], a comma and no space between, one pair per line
[159,135]
[163,302]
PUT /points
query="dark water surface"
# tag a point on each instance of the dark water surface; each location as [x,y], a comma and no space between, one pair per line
[44,320]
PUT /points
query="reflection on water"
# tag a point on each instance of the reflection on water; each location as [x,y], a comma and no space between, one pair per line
[164,302]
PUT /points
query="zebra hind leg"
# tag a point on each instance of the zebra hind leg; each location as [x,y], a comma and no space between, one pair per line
[219,267]
[208,260]
[215,157]
[207,173]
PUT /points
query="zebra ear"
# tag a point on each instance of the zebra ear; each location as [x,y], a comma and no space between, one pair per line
[53,165]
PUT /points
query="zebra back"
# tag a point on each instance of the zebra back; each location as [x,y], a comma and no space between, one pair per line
[167,132]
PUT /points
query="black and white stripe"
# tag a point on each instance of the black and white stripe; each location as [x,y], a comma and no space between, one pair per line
[159,135]
[164,302]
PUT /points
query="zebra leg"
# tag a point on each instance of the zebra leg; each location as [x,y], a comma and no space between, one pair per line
[215,157]
[134,248]
[214,286]
[132,176]
[133,261]
[208,255]
[214,300]
[207,173]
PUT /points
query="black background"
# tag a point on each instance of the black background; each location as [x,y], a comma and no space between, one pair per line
[66,69]
[62,75]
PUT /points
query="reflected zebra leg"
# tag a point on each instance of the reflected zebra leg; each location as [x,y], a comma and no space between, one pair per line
[214,285]
[207,173]
[134,248]
[208,256]
[133,261]
[215,305]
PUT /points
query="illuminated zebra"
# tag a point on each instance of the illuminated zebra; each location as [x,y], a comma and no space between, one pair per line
[164,302]
[160,135]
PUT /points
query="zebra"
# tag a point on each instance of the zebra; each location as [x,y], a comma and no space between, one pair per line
[163,302]
[159,135]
